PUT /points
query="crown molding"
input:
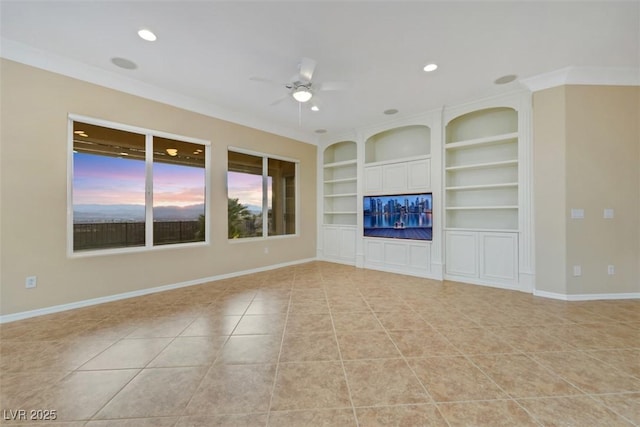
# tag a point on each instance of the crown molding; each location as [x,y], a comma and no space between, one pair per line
[37,58]
[601,76]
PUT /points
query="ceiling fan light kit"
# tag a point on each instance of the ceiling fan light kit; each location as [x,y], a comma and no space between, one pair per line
[302,94]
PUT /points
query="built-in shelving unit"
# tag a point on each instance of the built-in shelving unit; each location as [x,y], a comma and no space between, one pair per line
[481,170]
[340,179]
[481,184]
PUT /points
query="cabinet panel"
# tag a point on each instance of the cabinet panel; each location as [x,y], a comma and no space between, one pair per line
[373,179]
[339,243]
[331,242]
[420,257]
[374,252]
[394,177]
[462,253]
[395,254]
[499,257]
[419,175]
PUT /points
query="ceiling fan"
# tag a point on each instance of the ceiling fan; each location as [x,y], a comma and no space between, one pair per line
[301,87]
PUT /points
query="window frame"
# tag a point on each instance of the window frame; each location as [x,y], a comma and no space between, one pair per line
[265,194]
[149,135]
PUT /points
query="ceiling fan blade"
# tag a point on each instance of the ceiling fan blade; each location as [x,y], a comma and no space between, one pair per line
[279,100]
[326,86]
[307,66]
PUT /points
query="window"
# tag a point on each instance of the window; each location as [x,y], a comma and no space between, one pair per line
[135,188]
[260,187]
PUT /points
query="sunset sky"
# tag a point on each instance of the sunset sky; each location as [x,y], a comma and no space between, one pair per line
[120,181]
[117,181]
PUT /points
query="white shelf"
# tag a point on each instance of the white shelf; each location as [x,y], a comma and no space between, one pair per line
[488,140]
[483,187]
[469,208]
[340,213]
[340,164]
[482,165]
[398,160]
[335,181]
[341,195]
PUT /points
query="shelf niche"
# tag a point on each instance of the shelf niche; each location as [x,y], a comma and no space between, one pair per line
[340,183]
[481,170]
[400,143]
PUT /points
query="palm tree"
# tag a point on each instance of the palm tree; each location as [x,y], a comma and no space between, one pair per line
[238,214]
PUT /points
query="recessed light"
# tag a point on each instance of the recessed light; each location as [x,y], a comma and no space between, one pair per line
[124,63]
[124,154]
[78,132]
[320,131]
[147,35]
[83,135]
[505,79]
[430,67]
[315,108]
[390,111]
[172,152]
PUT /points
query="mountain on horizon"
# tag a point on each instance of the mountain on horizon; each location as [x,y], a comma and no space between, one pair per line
[134,213]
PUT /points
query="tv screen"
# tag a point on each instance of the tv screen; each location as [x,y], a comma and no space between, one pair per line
[400,216]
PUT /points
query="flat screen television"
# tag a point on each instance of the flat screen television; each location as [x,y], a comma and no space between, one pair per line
[399,216]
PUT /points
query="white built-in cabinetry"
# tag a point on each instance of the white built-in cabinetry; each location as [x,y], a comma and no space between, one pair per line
[398,161]
[474,158]
[339,192]
[482,202]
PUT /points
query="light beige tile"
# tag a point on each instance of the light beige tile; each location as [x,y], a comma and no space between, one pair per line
[477,341]
[309,348]
[231,420]
[366,345]
[260,324]
[158,328]
[449,379]
[520,376]
[172,390]
[572,411]
[300,323]
[251,349]
[401,416]
[310,385]
[383,382]
[422,343]
[128,353]
[212,324]
[135,422]
[81,394]
[189,351]
[588,374]
[494,413]
[402,320]
[364,321]
[233,389]
[625,360]
[325,417]
[626,405]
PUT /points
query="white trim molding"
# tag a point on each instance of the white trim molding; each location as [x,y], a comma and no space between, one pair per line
[110,298]
[586,297]
[603,76]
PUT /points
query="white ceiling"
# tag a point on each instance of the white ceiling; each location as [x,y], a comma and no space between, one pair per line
[207,51]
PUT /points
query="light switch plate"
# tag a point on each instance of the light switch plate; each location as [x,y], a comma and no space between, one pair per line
[577,213]
[608,213]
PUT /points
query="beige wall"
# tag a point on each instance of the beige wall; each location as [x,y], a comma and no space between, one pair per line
[549,169]
[33,198]
[595,156]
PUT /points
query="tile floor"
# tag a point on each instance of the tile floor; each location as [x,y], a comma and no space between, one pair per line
[322,344]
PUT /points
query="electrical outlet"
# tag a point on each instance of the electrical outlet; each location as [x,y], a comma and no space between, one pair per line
[31,282]
[608,213]
[266,250]
[577,213]
[577,270]
[611,270]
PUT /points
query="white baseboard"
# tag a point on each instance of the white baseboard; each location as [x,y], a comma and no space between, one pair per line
[110,298]
[586,297]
